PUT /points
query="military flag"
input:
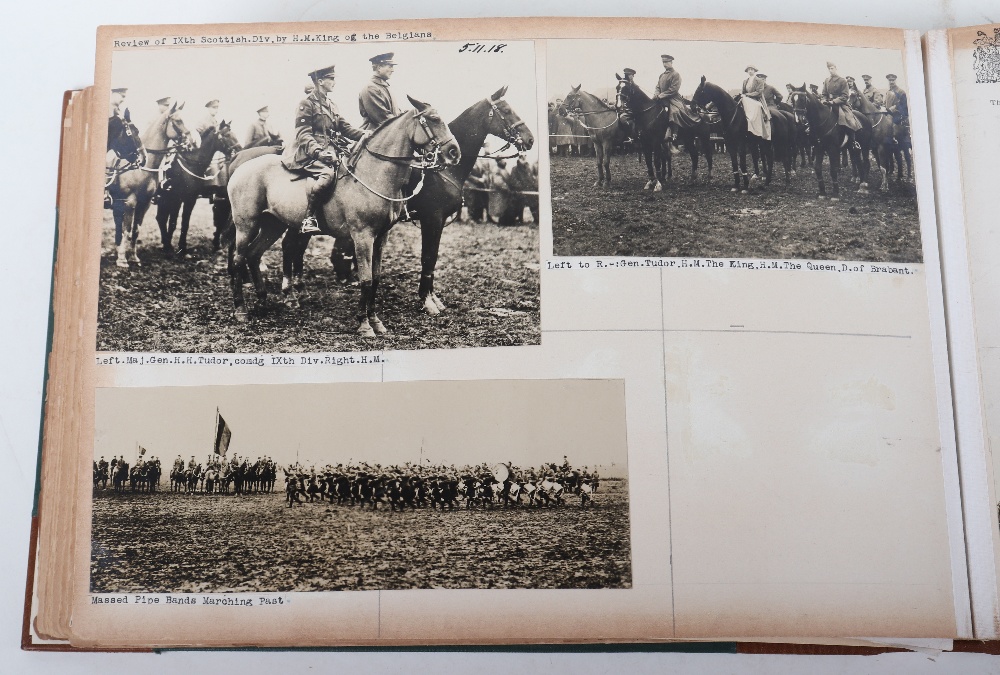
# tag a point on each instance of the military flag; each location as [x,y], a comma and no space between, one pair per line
[222,434]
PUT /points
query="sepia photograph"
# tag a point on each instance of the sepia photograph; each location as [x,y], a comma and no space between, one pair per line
[321,198]
[268,488]
[730,150]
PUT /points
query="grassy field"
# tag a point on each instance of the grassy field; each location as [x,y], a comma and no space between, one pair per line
[487,275]
[172,542]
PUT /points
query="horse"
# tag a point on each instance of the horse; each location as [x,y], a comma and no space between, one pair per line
[440,199]
[831,137]
[648,115]
[188,180]
[883,140]
[125,143]
[120,477]
[266,201]
[735,131]
[132,191]
[603,124]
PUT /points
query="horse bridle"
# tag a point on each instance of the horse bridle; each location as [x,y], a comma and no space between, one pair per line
[652,104]
[584,113]
[510,133]
[428,160]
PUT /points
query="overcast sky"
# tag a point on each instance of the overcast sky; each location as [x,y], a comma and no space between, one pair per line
[593,63]
[247,77]
[523,421]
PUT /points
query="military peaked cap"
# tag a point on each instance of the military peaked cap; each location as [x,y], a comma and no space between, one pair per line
[866,77]
[890,77]
[762,76]
[214,103]
[164,101]
[383,59]
[666,57]
[264,109]
[120,90]
[322,72]
[831,64]
[629,71]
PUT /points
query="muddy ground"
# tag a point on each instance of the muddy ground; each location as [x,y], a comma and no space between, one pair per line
[487,275]
[172,542]
[708,220]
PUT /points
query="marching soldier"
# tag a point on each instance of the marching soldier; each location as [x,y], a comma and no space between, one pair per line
[318,129]
[836,93]
[375,100]
[260,133]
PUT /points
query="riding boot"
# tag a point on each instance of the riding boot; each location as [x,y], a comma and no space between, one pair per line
[317,188]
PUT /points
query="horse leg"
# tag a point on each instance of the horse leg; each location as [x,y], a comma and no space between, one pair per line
[221,211]
[271,229]
[363,249]
[127,220]
[238,267]
[648,156]
[736,166]
[292,248]
[163,220]
[137,217]
[431,228]
[188,207]
[606,159]
[598,152]
[377,248]
[818,168]
[834,174]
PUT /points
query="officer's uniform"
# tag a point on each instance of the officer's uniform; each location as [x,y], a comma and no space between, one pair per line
[260,133]
[375,100]
[837,93]
[318,127]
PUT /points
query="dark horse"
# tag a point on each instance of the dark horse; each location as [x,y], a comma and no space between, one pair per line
[267,200]
[604,125]
[883,141]
[132,190]
[831,138]
[441,195]
[188,179]
[650,115]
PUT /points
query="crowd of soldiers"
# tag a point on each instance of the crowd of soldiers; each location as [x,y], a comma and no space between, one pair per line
[756,95]
[421,485]
[322,139]
[237,475]
[143,475]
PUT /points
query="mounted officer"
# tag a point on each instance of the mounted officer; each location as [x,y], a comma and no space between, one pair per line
[375,100]
[260,132]
[836,94]
[320,134]
[772,97]
[209,120]
[625,116]
[869,91]
[667,92]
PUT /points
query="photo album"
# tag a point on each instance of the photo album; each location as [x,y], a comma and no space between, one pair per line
[555,331]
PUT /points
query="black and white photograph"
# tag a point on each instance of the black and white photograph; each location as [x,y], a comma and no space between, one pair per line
[730,150]
[320,198]
[279,488]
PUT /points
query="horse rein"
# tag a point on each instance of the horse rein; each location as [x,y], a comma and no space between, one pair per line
[511,135]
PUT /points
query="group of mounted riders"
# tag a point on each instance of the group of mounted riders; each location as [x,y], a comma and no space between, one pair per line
[439,486]
[218,475]
[840,118]
[143,476]
[352,183]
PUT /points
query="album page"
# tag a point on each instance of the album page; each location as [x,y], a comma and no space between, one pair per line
[964,69]
[653,350]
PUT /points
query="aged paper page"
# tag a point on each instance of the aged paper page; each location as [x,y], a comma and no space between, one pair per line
[759,373]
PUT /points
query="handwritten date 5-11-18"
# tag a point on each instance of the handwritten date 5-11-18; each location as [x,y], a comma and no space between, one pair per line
[480,48]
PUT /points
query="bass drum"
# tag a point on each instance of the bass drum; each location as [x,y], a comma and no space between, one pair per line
[501,472]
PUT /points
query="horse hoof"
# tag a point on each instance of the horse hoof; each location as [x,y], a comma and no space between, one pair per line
[286,284]
[834,199]
[122,263]
[744,192]
[241,315]
[658,187]
[365,330]
[733,190]
[437,301]
[430,307]
[378,326]
[820,196]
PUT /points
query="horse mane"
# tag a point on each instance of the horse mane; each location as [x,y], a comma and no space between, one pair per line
[595,99]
